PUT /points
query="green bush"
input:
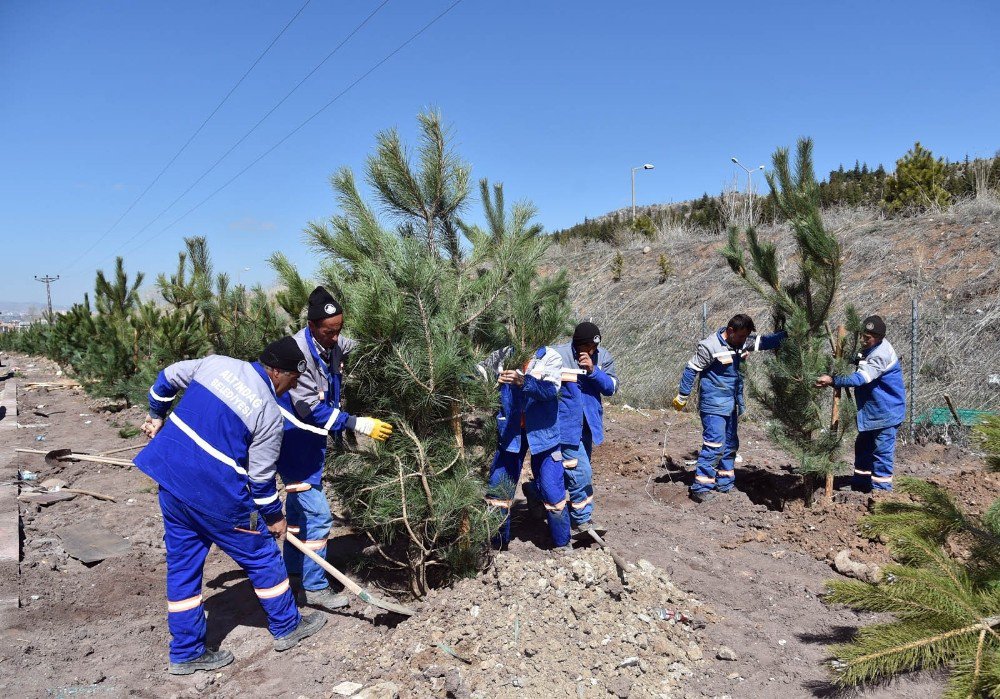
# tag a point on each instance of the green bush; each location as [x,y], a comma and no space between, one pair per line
[918,183]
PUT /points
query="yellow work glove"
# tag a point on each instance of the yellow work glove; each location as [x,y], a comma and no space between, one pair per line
[373,427]
[679,402]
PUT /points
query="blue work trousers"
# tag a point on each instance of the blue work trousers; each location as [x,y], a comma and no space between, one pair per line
[874,454]
[309,518]
[547,469]
[717,459]
[580,477]
[188,535]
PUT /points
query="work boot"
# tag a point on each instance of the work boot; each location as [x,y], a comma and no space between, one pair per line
[703,496]
[582,531]
[562,550]
[308,625]
[326,599]
[209,660]
[535,507]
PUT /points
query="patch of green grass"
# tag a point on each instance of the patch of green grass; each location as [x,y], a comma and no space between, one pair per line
[128,432]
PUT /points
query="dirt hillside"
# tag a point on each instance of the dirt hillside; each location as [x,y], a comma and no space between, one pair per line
[949,262]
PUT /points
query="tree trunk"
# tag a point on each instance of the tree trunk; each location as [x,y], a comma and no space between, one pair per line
[456,426]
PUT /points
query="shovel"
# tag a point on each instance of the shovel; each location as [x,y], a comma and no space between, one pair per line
[346,581]
[55,456]
[614,556]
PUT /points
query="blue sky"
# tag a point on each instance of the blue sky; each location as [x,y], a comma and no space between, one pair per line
[556,100]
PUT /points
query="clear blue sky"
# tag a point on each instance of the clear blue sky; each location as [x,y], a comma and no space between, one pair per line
[558,100]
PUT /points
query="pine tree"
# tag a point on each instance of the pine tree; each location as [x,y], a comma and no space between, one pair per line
[918,183]
[425,306]
[801,307]
[947,606]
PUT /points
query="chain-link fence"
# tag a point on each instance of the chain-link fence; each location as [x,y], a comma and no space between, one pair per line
[944,266]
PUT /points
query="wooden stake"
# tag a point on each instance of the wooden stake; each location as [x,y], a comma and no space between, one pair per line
[456,426]
[838,352]
[951,407]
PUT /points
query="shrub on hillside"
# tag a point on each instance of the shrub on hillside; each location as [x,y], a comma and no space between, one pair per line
[917,184]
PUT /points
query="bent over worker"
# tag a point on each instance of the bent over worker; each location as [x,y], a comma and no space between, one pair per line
[527,420]
[590,375]
[214,460]
[312,413]
[881,398]
[718,360]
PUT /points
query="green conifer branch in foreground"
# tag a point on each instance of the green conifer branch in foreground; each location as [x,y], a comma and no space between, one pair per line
[946,604]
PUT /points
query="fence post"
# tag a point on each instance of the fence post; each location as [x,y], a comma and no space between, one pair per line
[913,365]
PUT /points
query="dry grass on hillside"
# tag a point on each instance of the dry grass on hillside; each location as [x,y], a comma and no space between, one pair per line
[948,261]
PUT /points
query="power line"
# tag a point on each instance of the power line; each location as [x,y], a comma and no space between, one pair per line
[190,138]
[304,123]
[259,122]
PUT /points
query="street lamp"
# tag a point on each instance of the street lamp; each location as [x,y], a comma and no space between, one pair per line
[749,187]
[240,274]
[647,166]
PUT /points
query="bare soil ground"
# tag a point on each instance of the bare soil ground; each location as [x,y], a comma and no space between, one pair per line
[749,568]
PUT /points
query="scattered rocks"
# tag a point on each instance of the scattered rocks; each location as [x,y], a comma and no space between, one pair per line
[382,690]
[566,624]
[346,689]
[866,572]
[726,653]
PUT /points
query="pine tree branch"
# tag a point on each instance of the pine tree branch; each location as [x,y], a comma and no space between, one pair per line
[425,322]
[977,665]
[406,517]
[986,624]
[389,559]
[410,371]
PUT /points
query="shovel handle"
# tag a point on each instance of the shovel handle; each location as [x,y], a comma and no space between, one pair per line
[323,563]
[614,556]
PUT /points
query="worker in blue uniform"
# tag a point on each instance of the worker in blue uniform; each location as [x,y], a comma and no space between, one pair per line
[881,398]
[312,413]
[718,359]
[214,460]
[527,421]
[589,374]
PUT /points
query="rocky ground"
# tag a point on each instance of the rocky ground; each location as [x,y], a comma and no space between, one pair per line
[721,599]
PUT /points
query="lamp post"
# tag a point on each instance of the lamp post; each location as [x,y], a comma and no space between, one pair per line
[749,187]
[240,274]
[647,166]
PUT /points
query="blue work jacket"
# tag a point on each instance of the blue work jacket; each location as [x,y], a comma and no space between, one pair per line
[530,411]
[580,400]
[878,388]
[721,385]
[217,450]
[312,411]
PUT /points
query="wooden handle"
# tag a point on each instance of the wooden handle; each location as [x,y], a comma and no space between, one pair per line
[323,563]
[91,493]
[951,407]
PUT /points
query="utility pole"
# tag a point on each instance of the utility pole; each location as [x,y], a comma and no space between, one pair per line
[47,280]
[647,166]
[749,188]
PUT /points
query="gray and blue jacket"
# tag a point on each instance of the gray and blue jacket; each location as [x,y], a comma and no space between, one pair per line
[879,388]
[217,450]
[533,407]
[580,401]
[721,385]
[312,411]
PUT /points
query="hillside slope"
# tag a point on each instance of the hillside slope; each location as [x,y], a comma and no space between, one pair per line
[948,261]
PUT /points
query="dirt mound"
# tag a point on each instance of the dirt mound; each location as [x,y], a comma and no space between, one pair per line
[558,627]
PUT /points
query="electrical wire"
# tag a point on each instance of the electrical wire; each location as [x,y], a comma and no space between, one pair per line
[190,138]
[253,128]
[301,125]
